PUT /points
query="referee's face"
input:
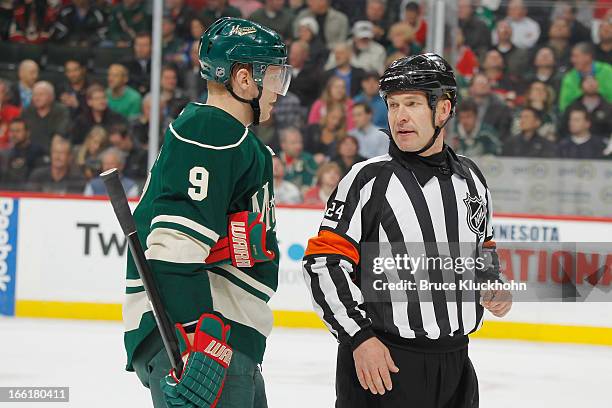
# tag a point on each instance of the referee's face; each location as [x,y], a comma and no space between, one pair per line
[410,120]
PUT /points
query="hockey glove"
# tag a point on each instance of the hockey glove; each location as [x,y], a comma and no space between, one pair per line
[207,361]
[245,243]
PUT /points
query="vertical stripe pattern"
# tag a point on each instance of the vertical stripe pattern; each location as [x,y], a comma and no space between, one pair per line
[383,202]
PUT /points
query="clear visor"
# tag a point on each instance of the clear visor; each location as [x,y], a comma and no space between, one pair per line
[277,79]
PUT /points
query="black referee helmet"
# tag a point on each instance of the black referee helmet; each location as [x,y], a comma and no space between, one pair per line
[429,73]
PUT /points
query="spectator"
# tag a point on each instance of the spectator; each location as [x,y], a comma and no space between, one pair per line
[579,143]
[295,6]
[367,53]
[603,52]
[340,65]
[306,81]
[45,117]
[135,164]
[558,41]
[139,65]
[112,158]
[88,155]
[61,176]
[32,21]
[215,9]
[195,86]
[334,25]
[467,61]
[369,95]
[334,93]
[599,110]
[372,141]
[500,81]
[322,137]
[528,143]
[308,30]
[139,127]
[328,177]
[376,13]
[274,15]
[127,19]
[473,137]
[27,75]
[544,68]
[348,154]
[23,156]
[74,88]
[491,109]
[173,98]
[541,97]
[477,35]
[8,112]
[525,30]
[285,192]
[300,167]
[173,47]
[412,17]
[247,7]
[566,11]
[182,15]
[80,24]
[122,98]
[584,64]
[288,111]
[515,59]
[401,36]
[353,9]
[96,113]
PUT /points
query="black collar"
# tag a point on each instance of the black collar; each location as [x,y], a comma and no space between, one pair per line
[441,165]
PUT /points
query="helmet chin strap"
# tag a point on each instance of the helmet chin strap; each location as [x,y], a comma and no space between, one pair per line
[254,103]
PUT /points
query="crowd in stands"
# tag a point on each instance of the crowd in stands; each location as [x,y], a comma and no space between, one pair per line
[535,81]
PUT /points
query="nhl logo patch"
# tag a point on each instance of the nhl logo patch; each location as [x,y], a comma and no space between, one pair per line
[220,72]
[476,214]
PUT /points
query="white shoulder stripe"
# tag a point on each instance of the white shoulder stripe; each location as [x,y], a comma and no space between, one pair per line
[179,137]
[186,222]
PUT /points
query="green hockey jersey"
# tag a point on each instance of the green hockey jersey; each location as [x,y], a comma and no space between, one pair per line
[210,165]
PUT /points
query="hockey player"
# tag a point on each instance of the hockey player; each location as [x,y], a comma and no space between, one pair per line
[206,220]
[411,352]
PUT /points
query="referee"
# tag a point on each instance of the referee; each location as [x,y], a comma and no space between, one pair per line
[413,353]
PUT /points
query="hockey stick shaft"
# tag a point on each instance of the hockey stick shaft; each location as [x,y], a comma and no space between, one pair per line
[126,220]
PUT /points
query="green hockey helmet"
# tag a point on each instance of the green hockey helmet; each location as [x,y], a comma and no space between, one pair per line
[234,40]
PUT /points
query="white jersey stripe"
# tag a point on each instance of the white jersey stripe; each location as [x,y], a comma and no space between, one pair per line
[189,223]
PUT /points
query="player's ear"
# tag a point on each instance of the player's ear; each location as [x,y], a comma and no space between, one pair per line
[242,77]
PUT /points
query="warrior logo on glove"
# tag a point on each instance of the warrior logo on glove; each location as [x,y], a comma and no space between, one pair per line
[245,243]
[206,364]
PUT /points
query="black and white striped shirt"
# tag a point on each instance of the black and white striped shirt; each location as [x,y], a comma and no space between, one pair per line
[391,199]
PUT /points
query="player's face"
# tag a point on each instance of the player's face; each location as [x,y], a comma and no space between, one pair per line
[266,103]
[410,119]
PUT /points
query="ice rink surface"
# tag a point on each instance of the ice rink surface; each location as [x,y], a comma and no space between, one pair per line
[298,369]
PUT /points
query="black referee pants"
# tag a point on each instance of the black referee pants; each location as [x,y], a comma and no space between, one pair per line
[425,380]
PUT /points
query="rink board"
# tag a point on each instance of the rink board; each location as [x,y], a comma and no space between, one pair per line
[64,258]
